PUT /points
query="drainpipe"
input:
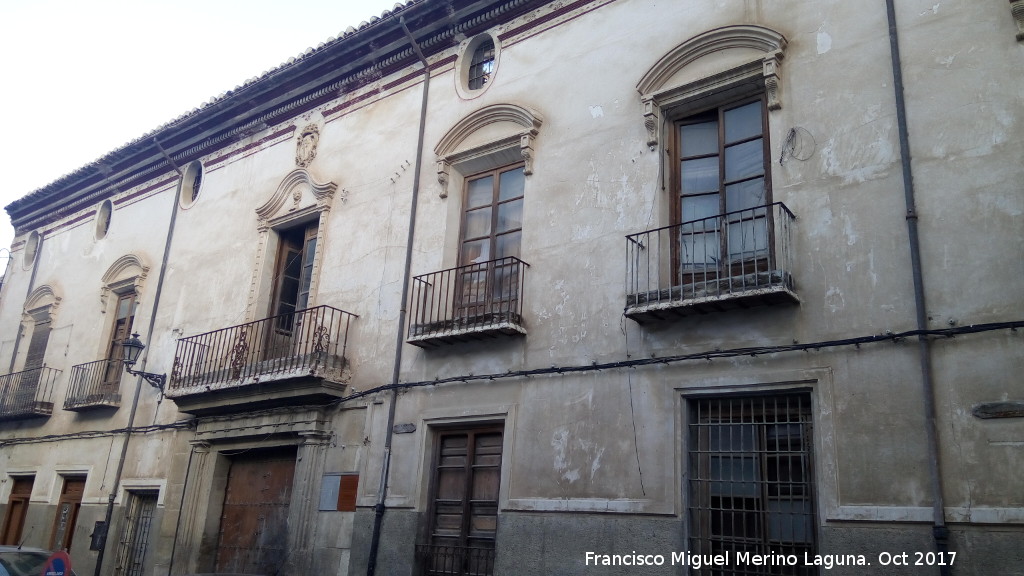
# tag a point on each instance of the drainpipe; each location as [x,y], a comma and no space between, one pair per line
[378,509]
[940,533]
[138,380]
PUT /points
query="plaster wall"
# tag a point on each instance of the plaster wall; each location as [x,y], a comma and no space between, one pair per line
[605,448]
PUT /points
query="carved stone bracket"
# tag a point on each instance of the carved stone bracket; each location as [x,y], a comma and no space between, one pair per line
[443,174]
[771,78]
[1017,9]
[526,149]
[652,121]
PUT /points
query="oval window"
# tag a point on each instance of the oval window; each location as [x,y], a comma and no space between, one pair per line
[190,185]
[31,249]
[103,219]
[477,65]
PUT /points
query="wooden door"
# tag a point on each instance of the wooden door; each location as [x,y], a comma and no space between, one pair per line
[67,513]
[254,522]
[464,503]
[17,508]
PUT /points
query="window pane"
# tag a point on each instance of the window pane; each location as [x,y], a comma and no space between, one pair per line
[748,239]
[511,184]
[790,520]
[697,207]
[124,305]
[478,223]
[508,244]
[734,476]
[744,160]
[698,248]
[700,175]
[699,139]
[744,195]
[293,263]
[480,192]
[481,66]
[476,251]
[510,216]
[743,122]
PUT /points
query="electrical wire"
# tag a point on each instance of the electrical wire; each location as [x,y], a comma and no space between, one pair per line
[705,355]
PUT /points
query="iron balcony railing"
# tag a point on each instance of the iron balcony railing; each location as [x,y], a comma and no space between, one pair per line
[311,341]
[436,560]
[736,254]
[26,394]
[475,299]
[94,384]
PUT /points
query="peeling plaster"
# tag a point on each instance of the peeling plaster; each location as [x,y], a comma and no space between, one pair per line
[834,299]
[596,112]
[824,41]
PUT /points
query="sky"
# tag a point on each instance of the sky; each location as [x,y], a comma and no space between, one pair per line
[83,77]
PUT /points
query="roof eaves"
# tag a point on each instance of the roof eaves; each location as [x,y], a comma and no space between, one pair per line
[350,35]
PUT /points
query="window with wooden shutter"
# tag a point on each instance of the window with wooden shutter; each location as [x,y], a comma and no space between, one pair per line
[124,318]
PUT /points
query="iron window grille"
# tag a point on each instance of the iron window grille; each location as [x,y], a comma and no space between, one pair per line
[750,487]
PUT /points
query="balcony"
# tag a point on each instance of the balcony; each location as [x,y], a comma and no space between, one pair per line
[94,385]
[471,302]
[27,394]
[454,560]
[282,360]
[739,259]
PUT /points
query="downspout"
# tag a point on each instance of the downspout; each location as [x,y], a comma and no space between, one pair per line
[940,533]
[138,380]
[378,519]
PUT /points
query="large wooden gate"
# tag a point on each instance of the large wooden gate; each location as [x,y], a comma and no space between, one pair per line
[254,523]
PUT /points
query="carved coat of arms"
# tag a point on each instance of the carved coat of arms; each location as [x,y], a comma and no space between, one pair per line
[305,147]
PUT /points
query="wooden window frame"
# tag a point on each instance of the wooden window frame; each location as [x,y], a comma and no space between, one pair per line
[726,266]
[502,279]
[118,334]
[301,240]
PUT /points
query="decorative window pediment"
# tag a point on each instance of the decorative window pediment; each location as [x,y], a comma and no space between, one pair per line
[42,302]
[127,274]
[711,63]
[297,197]
[490,137]
[299,206]
[42,297]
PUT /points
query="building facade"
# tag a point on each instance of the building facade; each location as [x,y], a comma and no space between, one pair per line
[530,287]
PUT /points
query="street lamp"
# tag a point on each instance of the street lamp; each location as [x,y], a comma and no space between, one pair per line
[132,348]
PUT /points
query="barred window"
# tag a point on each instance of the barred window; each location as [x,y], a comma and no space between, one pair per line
[751,488]
[481,66]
